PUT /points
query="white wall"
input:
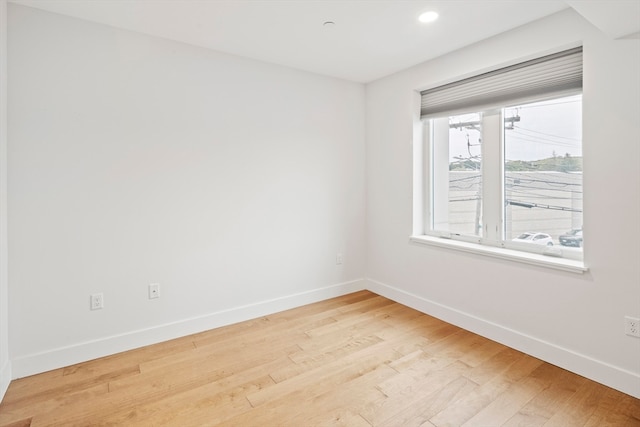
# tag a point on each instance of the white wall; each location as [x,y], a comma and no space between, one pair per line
[5,365]
[573,320]
[132,159]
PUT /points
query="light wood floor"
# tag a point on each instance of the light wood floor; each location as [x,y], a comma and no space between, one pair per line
[357,360]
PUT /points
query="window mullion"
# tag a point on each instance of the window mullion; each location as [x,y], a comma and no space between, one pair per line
[421,178]
[492,176]
[440,174]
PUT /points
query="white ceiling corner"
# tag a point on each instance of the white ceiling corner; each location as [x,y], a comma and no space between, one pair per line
[617,19]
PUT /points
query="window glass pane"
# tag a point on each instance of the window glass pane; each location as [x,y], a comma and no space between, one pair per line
[543,172]
[457,174]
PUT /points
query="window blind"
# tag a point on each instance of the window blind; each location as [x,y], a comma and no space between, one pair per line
[555,74]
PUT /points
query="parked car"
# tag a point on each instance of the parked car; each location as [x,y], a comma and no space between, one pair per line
[572,238]
[537,238]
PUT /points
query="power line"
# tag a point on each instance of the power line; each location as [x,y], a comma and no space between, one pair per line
[540,140]
[549,134]
[523,204]
[530,180]
[555,188]
[465,178]
[538,205]
[545,196]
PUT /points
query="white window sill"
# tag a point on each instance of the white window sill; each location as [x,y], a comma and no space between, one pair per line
[570,265]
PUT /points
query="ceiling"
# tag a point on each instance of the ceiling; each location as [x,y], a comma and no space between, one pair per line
[369,39]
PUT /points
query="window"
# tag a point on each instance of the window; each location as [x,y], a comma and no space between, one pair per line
[543,169]
[502,160]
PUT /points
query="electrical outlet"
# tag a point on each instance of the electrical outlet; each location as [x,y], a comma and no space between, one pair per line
[339,258]
[97,301]
[154,290]
[632,326]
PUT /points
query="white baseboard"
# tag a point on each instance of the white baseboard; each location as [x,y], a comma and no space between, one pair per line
[596,370]
[81,352]
[5,379]
[612,376]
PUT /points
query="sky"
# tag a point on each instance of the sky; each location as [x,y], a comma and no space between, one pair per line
[545,128]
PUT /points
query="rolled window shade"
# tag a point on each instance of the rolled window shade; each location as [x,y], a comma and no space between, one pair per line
[558,73]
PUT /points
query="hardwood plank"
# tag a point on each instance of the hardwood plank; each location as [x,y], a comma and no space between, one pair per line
[193,404]
[16,411]
[227,395]
[304,361]
[355,319]
[462,410]
[418,411]
[505,406]
[409,397]
[21,423]
[580,406]
[562,385]
[480,352]
[344,419]
[318,403]
[24,387]
[494,366]
[420,373]
[615,409]
[330,376]
[342,404]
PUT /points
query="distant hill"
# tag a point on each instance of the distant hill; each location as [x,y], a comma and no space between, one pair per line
[564,163]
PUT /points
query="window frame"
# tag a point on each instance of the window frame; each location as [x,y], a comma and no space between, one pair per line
[492,241]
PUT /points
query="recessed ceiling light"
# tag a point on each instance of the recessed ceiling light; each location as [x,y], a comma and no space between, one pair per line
[328,24]
[428,16]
